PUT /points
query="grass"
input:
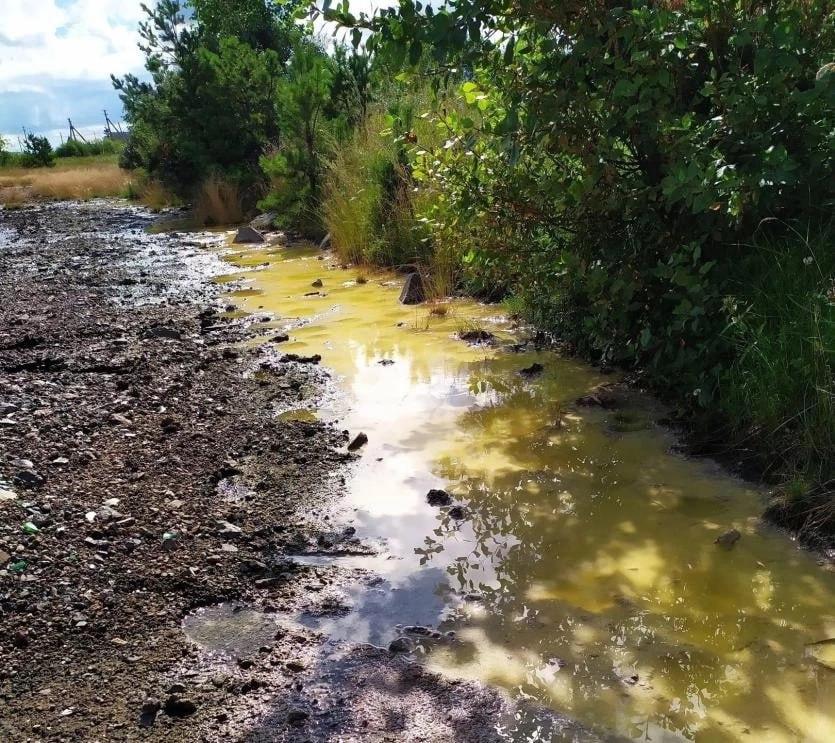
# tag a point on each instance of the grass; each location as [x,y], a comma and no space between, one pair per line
[71,178]
[153,194]
[780,388]
[219,202]
[372,208]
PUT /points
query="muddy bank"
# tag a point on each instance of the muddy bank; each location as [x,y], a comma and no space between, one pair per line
[144,475]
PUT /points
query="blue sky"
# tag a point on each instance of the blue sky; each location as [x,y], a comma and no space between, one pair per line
[56,57]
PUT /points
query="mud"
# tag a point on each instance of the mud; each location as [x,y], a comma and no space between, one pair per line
[127,395]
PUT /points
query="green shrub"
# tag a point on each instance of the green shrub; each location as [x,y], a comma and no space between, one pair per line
[94,148]
[613,167]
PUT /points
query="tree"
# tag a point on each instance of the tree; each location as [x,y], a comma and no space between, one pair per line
[295,168]
[37,151]
[262,24]
[210,107]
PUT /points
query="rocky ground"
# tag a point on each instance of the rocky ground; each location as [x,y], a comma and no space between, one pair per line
[144,475]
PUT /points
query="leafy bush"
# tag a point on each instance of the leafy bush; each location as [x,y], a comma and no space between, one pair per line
[295,169]
[612,167]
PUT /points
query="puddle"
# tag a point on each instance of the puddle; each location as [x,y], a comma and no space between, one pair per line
[302,415]
[229,630]
[585,574]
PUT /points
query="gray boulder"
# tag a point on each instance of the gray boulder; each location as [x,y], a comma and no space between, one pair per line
[264,222]
[247,234]
[413,290]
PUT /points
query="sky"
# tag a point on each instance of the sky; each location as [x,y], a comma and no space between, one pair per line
[56,58]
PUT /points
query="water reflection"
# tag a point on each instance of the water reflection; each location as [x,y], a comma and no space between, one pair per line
[585,575]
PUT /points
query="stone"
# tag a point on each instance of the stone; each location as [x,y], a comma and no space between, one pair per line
[314,359]
[600,397]
[413,291]
[417,629]
[247,234]
[358,442]
[280,338]
[20,639]
[264,222]
[437,497]
[459,513]
[28,479]
[318,284]
[728,539]
[534,370]
[228,529]
[148,712]
[401,645]
[477,336]
[178,707]
[295,666]
[162,331]
[297,716]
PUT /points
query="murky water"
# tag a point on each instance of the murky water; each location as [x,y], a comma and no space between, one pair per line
[584,574]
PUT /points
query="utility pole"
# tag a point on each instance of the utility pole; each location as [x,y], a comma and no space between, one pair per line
[74,133]
[110,127]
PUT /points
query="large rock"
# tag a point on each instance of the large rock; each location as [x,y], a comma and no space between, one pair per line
[413,290]
[264,222]
[247,234]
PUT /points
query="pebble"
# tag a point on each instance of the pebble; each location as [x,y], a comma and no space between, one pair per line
[358,442]
[297,716]
[177,707]
[437,497]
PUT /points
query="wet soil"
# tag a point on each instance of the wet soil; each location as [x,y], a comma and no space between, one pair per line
[144,476]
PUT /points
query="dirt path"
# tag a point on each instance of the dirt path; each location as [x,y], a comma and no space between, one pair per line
[142,476]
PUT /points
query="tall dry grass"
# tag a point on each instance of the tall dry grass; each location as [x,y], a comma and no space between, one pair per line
[374,210]
[219,203]
[77,182]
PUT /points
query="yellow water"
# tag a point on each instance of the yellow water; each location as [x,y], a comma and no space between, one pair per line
[591,550]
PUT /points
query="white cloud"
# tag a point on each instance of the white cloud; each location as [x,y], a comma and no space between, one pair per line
[68,39]
[56,58]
